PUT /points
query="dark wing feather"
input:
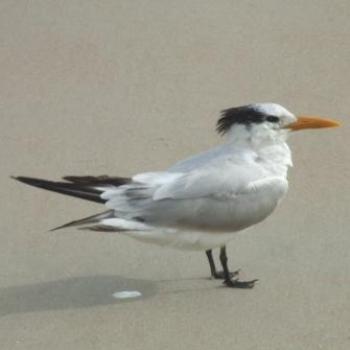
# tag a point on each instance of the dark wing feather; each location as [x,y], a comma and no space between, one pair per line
[83,187]
[88,220]
[98,180]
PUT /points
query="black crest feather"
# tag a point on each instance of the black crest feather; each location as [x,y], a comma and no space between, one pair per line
[238,115]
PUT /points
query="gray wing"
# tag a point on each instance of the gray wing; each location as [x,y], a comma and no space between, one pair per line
[222,192]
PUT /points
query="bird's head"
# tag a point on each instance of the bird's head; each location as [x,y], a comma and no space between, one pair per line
[265,123]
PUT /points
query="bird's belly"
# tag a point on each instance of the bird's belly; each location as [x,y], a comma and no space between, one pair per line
[184,240]
[227,214]
[210,223]
[232,216]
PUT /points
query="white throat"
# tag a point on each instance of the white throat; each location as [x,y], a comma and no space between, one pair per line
[267,143]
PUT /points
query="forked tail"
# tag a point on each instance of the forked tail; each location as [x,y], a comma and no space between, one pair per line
[85,187]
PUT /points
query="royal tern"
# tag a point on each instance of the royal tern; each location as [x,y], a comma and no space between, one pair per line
[200,203]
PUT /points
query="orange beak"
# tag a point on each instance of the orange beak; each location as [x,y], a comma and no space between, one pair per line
[304,122]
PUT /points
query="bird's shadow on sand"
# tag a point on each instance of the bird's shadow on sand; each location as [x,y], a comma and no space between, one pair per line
[71,293]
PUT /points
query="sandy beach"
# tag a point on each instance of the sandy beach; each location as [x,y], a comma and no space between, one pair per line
[120,87]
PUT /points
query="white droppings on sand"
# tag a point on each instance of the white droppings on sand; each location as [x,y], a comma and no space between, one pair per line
[127,294]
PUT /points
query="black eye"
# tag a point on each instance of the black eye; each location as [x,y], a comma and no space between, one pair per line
[272,119]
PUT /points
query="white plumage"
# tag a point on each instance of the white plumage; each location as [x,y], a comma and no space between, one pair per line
[200,202]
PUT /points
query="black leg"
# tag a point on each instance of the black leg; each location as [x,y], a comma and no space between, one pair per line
[233,283]
[217,274]
[211,263]
[223,259]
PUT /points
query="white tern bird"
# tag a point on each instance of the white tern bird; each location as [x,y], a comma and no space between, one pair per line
[200,202]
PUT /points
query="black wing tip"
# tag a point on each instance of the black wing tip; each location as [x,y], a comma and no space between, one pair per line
[84,187]
[87,220]
[27,179]
[89,180]
[12,177]
[36,182]
[68,224]
[58,228]
[71,189]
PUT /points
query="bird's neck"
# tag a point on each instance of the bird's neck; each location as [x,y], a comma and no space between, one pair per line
[268,147]
[276,159]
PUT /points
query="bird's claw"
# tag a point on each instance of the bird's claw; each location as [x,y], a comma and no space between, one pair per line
[236,283]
